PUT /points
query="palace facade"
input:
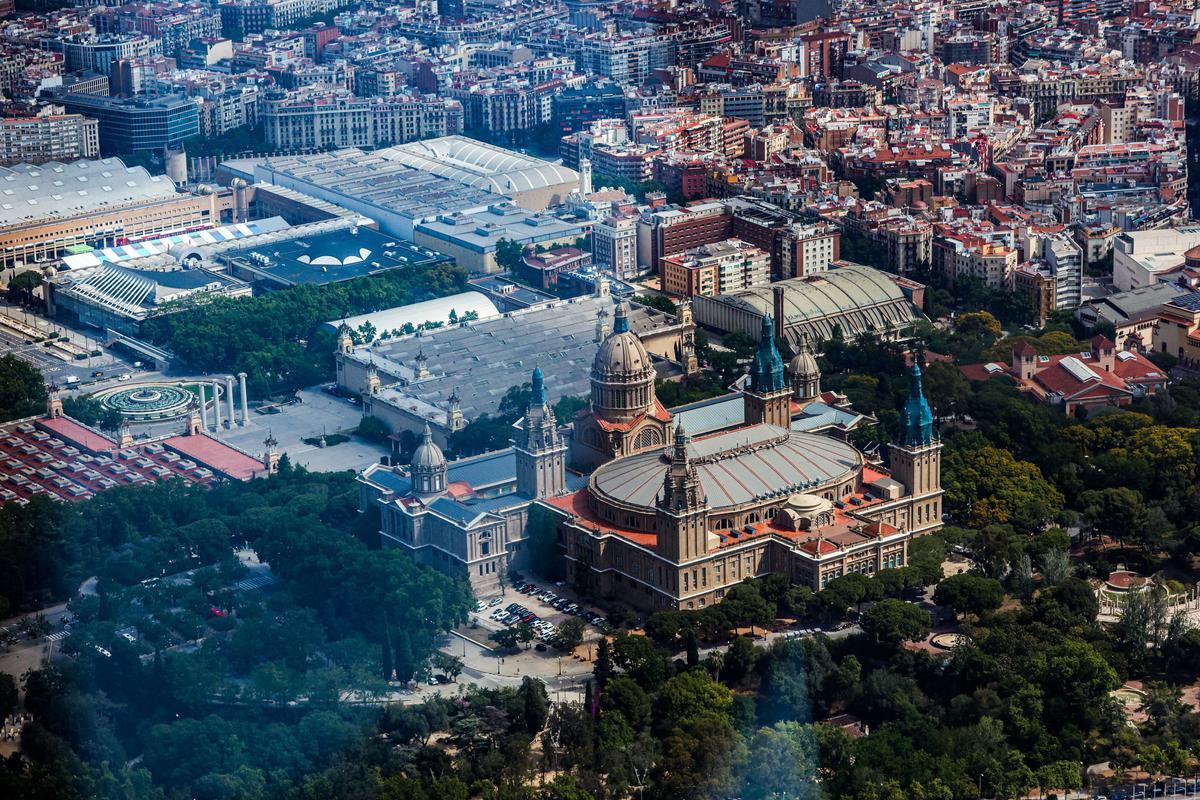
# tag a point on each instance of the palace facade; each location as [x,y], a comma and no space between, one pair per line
[668,520]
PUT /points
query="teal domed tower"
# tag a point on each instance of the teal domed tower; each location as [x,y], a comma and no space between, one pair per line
[768,398]
[916,462]
[916,421]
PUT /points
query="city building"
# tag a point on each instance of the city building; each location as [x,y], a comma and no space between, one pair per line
[716,268]
[530,182]
[1142,258]
[98,53]
[473,237]
[451,375]
[614,245]
[56,457]
[318,121]
[56,206]
[467,518]
[674,230]
[1101,377]
[395,196]
[128,125]
[1134,314]
[36,140]
[850,298]
[316,258]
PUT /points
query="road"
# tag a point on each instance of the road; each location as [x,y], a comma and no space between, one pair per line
[54,369]
[30,654]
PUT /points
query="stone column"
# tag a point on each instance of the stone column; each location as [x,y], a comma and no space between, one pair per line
[216,406]
[245,403]
[203,409]
[229,397]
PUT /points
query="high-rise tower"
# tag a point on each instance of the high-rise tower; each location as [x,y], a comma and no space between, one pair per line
[682,508]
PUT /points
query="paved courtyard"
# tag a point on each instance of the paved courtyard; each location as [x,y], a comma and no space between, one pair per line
[317,413]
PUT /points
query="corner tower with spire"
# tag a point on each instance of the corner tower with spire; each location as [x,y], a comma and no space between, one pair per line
[916,458]
[768,397]
[682,508]
[541,454]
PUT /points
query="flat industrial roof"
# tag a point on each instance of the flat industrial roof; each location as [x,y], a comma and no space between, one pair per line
[334,256]
[374,180]
[479,361]
[30,192]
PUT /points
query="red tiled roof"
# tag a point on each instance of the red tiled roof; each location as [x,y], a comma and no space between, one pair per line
[216,456]
[1024,348]
[72,431]
[577,503]
[659,412]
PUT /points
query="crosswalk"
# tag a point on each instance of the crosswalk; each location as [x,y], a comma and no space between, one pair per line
[58,636]
[254,582]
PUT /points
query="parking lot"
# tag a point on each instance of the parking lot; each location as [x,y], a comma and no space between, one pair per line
[544,608]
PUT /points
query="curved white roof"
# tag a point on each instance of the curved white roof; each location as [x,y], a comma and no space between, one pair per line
[428,311]
[478,164]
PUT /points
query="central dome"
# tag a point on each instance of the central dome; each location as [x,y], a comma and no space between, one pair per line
[621,354]
[622,373]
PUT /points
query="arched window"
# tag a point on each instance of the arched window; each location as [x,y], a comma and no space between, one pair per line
[649,437]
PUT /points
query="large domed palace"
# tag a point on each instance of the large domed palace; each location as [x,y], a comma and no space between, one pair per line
[668,520]
[648,514]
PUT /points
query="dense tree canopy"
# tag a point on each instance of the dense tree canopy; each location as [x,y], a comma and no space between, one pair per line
[22,390]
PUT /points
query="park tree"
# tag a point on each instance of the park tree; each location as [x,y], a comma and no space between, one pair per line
[946,388]
[978,323]
[509,255]
[968,593]
[535,704]
[570,634]
[986,485]
[22,392]
[892,622]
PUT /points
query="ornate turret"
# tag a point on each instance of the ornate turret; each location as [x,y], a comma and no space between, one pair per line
[345,343]
[768,398]
[428,467]
[194,425]
[55,409]
[601,325]
[805,374]
[454,412]
[767,373]
[541,454]
[687,344]
[373,383]
[682,525]
[421,368]
[271,454]
[681,486]
[916,420]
